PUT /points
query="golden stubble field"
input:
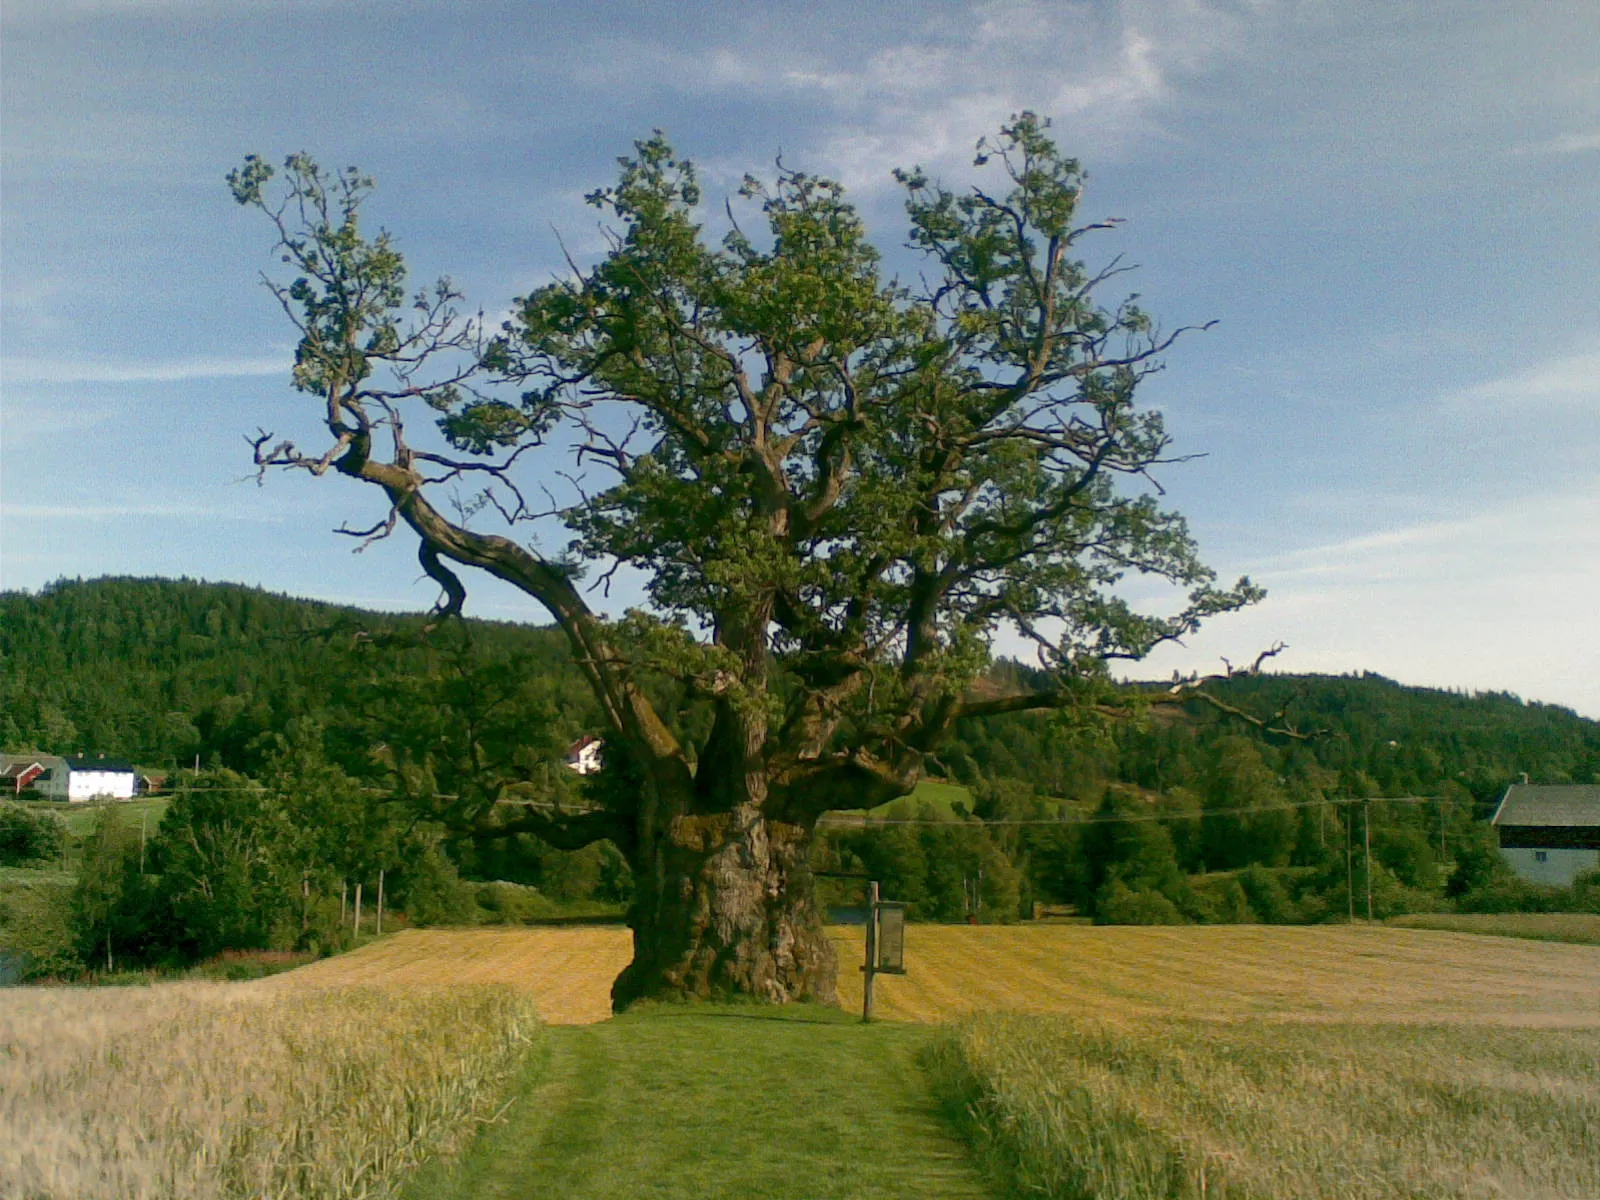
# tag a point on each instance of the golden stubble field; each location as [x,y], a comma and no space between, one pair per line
[1336,973]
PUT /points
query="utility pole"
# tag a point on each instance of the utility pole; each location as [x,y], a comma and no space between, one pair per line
[1349,863]
[379,929]
[1367,831]
[356,928]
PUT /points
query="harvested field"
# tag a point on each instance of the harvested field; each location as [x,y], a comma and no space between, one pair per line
[1330,972]
[1327,972]
[567,971]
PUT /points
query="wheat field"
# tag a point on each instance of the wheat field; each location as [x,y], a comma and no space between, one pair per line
[1173,1109]
[209,1091]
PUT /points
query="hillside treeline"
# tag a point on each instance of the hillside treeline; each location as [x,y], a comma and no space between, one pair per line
[393,744]
[159,671]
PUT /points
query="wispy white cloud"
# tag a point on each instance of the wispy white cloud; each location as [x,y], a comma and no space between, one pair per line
[1570,380]
[70,371]
[1103,70]
[1498,599]
[22,421]
[1563,144]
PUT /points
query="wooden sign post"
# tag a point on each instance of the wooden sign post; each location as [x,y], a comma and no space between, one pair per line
[886,943]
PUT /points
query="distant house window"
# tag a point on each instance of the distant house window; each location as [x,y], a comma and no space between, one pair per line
[1540,856]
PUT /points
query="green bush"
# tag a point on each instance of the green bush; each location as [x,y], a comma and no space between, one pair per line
[1118,904]
[1230,905]
[36,930]
[29,834]
[434,894]
[225,877]
[1509,894]
[1585,893]
[512,903]
[1267,897]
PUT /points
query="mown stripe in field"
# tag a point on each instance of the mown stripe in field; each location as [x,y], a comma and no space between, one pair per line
[567,970]
[1322,972]
[721,1103]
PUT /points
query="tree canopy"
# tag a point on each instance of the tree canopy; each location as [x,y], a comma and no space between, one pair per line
[837,486]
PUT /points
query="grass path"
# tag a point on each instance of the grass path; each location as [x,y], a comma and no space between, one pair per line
[722,1104]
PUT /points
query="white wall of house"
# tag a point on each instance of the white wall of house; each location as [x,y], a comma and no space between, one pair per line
[87,785]
[1554,868]
[587,760]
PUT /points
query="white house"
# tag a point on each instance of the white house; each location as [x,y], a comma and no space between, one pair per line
[583,756]
[1549,834]
[99,779]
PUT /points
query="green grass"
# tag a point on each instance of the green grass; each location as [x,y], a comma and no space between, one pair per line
[718,1103]
[80,818]
[1075,1109]
[1580,928]
[934,792]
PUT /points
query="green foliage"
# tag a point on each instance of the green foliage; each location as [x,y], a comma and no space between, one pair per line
[37,932]
[1268,899]
[158,671]
[226,869]
[1231,906]
[29,834]
[112,905]
[435,894]
[1118,904]
[1239,778]
[932,866]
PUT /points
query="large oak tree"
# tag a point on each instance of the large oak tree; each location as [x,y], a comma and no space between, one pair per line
[836,487]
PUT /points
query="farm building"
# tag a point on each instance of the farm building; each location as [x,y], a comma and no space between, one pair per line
[70,779]
[1549,834]
[21,771]
[583,756]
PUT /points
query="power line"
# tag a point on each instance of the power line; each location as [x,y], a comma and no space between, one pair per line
[872,822]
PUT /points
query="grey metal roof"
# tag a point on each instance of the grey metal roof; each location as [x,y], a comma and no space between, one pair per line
[1568,806]
[24,760]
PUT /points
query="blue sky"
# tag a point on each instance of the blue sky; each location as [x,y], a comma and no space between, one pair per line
[1389,208]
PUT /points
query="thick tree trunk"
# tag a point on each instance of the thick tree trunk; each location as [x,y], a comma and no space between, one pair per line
[724,906]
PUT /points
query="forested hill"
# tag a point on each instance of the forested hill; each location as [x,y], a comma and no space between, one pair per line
[158,671]
[1373,737]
